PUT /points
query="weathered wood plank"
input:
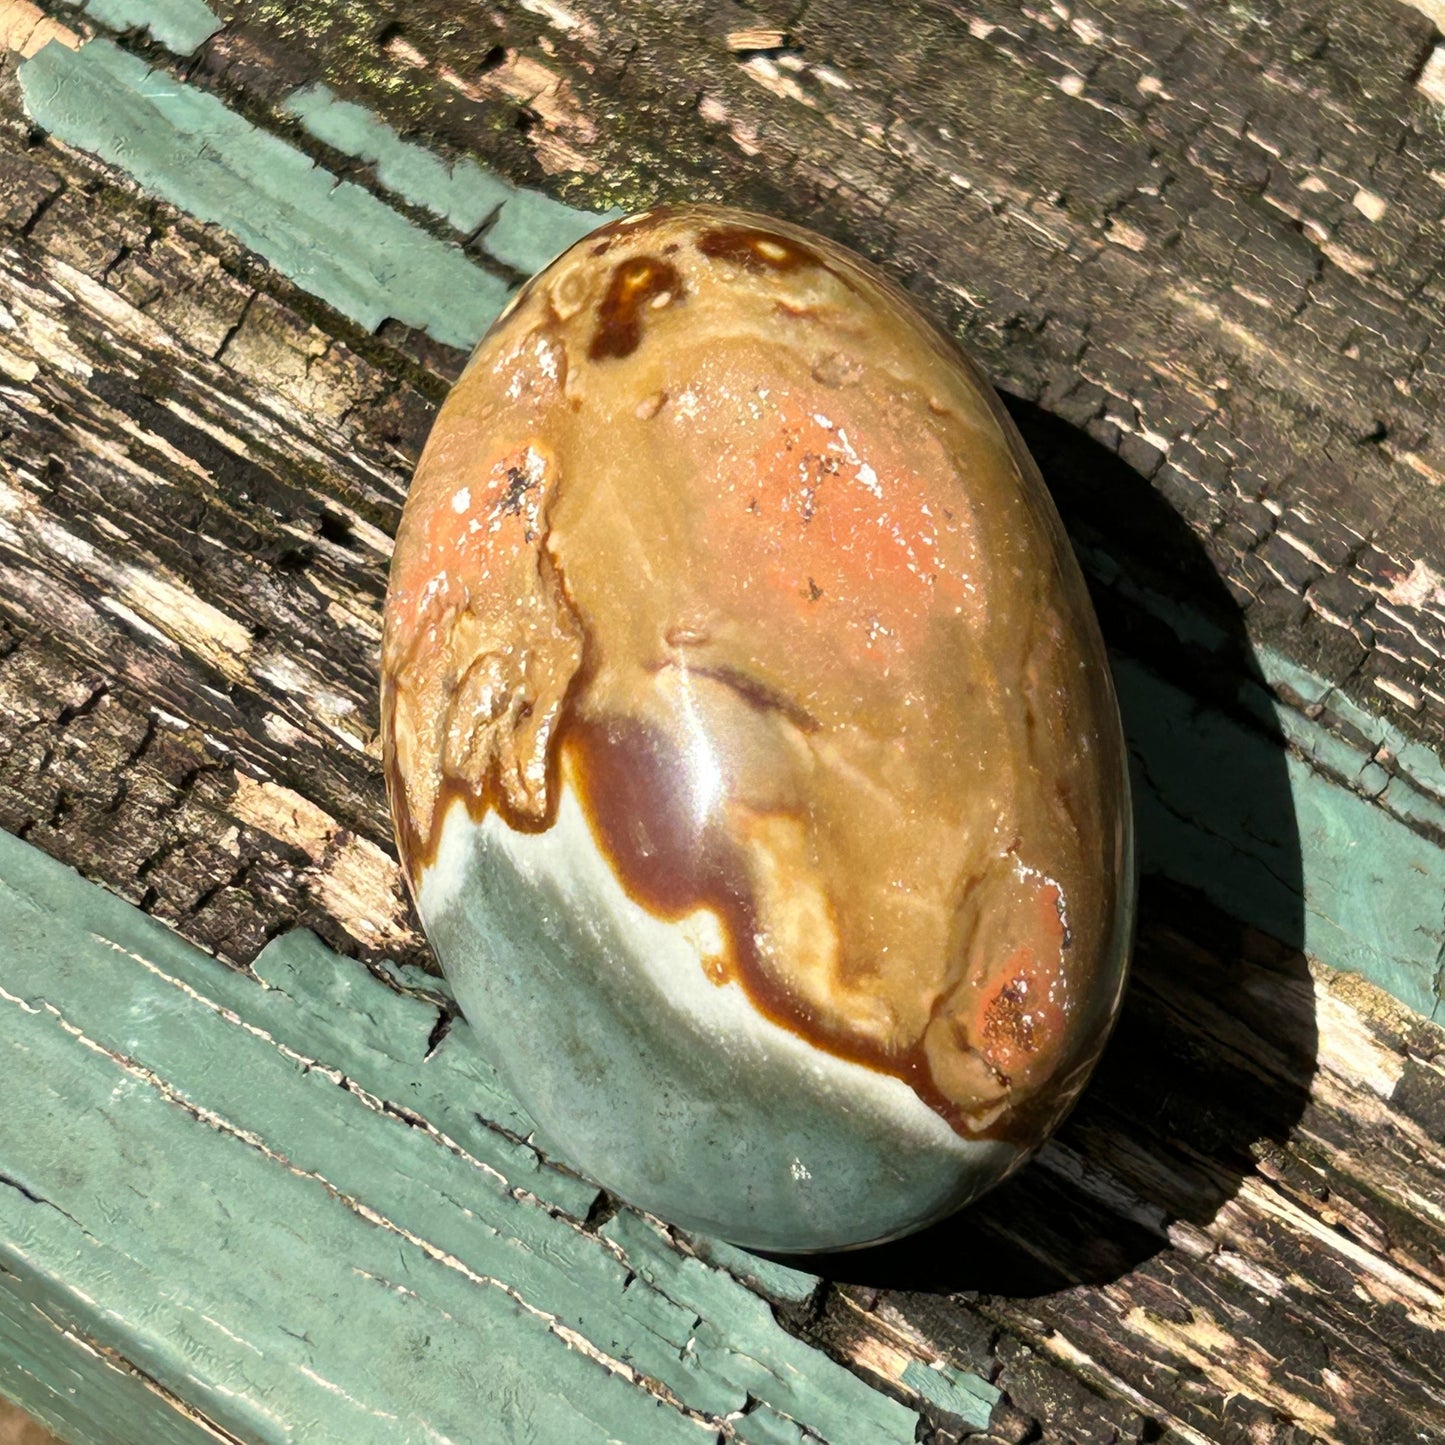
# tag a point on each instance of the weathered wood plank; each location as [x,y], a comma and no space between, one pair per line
[1239,1237]
[169,1112]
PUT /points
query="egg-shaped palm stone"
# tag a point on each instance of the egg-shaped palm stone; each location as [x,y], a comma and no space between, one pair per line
[751,744]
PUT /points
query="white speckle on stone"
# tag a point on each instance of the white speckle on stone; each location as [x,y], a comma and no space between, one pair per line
[869,478]
[704,933]
[547,358]
[1071,84]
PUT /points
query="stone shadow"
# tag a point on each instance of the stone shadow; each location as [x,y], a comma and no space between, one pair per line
[1214,1051]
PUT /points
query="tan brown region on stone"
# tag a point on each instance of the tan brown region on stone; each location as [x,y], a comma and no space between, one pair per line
[716,531]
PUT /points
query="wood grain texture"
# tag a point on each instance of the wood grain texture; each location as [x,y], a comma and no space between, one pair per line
[1201,249]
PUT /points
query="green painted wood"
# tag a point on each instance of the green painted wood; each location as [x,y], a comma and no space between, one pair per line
[528,229]
[769,1277]
[333,238]
[766,1427]
[1373,888]
[532,229]
[1369,883]
[70,1385]
[964,1395]
[268,1198]
[464,194]
[182,26]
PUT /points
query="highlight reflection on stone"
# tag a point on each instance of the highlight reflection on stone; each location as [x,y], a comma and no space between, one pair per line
[750,740]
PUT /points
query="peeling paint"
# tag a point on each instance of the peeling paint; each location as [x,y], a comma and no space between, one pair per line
[529,229]
[182,26]
[463,194]
[332,238]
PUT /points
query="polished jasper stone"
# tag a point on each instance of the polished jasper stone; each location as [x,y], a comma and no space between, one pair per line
[751,744]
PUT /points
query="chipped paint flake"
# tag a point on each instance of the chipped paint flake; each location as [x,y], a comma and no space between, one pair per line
[1371,206]
[1431,83]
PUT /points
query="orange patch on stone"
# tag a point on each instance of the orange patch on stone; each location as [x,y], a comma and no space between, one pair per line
[470,543]
[839,527]
[1021,1017]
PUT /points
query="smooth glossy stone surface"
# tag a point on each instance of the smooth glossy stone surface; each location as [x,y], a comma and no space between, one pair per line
[750,739]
